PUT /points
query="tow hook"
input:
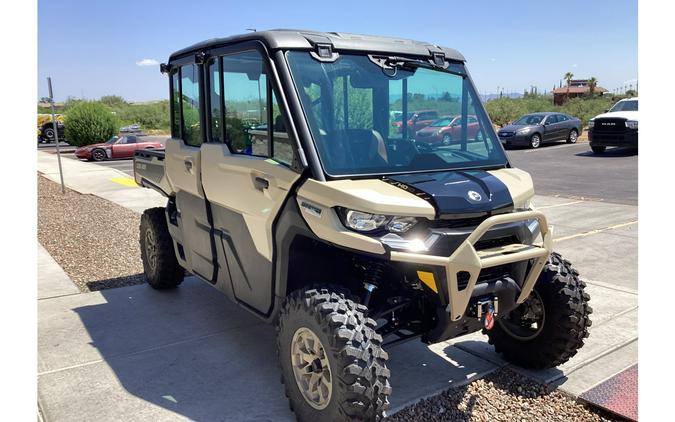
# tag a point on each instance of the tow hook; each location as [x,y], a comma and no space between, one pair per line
[486,310]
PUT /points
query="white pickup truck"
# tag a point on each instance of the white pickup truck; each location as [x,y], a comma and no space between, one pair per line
[618,127]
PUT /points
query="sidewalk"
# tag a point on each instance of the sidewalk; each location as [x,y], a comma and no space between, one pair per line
[133,353]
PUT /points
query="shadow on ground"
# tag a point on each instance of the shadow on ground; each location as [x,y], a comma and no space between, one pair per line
[610,153]
[191,352]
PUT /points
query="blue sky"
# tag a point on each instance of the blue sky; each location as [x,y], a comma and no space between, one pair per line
[98,47]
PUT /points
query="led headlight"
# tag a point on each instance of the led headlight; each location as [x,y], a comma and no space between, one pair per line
[368,222]
[363,221]
[591,124]
[524,130]
[631,124]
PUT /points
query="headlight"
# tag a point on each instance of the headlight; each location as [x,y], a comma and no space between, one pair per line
[524,130]
[591,124]
[631,124]
[363,221]
[367,222]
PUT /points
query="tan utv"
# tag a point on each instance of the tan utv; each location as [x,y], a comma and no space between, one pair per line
[298,187]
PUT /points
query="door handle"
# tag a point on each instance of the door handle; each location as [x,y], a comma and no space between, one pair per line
[261,183]
[188,165]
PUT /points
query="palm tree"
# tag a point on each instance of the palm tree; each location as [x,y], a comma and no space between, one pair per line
[592,83]
[568,78]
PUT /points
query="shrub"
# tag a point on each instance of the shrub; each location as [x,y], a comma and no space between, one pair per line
[89,123]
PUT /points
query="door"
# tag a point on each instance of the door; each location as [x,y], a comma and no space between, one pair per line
[192,235]
[246,173]
[550,128]
[565,125]
[124,147]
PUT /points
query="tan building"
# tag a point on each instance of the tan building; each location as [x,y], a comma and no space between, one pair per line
[577,88]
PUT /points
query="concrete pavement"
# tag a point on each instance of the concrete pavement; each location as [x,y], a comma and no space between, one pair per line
[136,354]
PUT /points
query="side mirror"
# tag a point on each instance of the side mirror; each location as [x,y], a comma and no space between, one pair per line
[606,110]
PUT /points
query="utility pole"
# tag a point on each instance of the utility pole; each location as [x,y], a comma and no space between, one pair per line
[56,133]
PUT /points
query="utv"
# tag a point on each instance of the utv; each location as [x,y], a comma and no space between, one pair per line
[293,189]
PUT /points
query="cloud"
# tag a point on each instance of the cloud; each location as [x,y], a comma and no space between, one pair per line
[575,65]
[147,62]
[493,59]
[630,81]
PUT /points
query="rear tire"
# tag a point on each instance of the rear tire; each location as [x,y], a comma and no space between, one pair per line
[350,353]
[598,150]
[562,328]
[48,133]
[160,265]
[572,136]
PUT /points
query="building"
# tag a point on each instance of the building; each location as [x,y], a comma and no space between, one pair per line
[576,88]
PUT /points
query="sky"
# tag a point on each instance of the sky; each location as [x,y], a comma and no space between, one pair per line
[96,48]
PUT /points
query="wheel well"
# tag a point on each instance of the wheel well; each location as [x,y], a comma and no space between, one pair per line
[313,262]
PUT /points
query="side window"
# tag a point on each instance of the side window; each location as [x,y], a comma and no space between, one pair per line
[131,140]
[175,98]
[215,98]
[551,119]
[192,134]
[283,152]
[245,93]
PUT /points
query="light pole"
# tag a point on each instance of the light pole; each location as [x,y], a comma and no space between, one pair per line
[56,133]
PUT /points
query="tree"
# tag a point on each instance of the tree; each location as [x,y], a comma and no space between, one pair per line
[113,100]
[592,84]
[89,123]
[568,78]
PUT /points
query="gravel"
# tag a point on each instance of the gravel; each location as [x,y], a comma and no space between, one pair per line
[95,241]
[501,396]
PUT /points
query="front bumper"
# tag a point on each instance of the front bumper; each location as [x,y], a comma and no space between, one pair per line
[627,138]
[515,139]
[466,259]
[83,154]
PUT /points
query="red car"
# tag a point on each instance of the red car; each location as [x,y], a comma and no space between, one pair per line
[116,147]
[446,129]
[417,120]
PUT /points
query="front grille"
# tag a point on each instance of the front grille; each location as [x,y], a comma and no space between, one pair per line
[424,134]
[457,223]
[609,125]
[495,243]
[505,134]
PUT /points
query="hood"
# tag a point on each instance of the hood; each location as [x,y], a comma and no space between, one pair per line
[628,115]
[428,129]
[100,145]
[513,128]
[457,192]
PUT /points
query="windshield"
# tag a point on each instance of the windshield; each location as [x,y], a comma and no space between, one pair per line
[441,122]
[354,108]
[112,140]
[631,105]
[531,119]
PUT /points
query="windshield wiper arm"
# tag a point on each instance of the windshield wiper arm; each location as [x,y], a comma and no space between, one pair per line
[394,62]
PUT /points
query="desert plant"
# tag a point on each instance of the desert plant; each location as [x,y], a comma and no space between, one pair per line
[89,122]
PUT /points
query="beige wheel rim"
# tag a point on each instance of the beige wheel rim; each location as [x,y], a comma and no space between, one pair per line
[311,368]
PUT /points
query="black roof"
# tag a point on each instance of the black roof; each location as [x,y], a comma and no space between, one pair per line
[306,40]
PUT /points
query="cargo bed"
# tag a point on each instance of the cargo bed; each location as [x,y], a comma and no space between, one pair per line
[149,171]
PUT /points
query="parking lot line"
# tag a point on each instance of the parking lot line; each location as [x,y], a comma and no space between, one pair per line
[559,205]
[552,147]
[125,181]
[596,231]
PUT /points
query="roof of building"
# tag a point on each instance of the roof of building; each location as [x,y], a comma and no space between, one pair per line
[306,40]
[577,89]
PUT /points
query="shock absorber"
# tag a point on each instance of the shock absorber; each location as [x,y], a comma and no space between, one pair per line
[372,274]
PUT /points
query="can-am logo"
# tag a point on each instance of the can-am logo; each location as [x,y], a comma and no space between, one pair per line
[474,196]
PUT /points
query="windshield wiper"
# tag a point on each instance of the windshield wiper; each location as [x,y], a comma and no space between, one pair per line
[394,62]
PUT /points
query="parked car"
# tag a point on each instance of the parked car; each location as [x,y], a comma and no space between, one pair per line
[417,120]
[618,127]
[45,127]
[116,147]
[537,128]
[446,129]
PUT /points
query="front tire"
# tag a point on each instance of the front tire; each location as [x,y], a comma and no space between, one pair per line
[535,141]
[550,326]
[572,137]
[332,363]
[48,133]
[598,150]
[98,155]
[162,270]
[447,140]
